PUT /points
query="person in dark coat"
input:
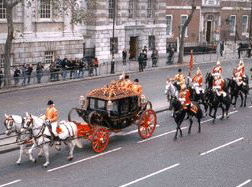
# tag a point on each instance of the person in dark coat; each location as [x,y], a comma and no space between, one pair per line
[16,76]
[154,58]
[29,73]
[124,56]
[141,62]
[39,72]
[1,78]
[24,73]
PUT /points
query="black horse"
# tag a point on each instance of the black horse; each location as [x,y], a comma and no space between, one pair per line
[216,101]
[180,113]
[241,91]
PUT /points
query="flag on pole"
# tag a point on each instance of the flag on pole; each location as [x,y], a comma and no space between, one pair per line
[191,62]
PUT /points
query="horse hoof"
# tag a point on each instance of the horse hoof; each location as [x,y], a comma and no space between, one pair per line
[175,139]
[34,161]
[18,164]
[227,116]
[69,158]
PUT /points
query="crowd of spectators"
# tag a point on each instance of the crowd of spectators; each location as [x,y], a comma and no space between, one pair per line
[60,69]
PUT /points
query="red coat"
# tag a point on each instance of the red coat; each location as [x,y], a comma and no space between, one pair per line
[198,79]
[219,83]
[217,69]
[185,95]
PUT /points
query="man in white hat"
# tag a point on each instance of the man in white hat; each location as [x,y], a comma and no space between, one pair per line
[217,70]
[197,82]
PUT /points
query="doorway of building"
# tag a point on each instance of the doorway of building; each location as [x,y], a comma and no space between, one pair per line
[208,31]
[133,47]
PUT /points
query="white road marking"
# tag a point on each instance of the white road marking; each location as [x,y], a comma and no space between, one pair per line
[154,137]
[160,135]
[82,160]
[250,107]
[150,175]
[244,183]
[10,183]
[237,140]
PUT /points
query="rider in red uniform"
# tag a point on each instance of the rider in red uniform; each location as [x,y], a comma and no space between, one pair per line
[239,73]
[184,97]
[217,70]
[197,81]
[218,86]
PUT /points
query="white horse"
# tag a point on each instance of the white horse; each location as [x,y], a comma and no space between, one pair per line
[170,91]
[42,136]
[13,124]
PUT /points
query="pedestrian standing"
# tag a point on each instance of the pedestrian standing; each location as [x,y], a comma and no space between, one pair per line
[124,56]
[170,56]
[154,58]
[29,73]
[1,78]
[239,50]
[249,50]
[16,76]
[141,62]
[145,56]
[39,72]
[24,73]
[96,65]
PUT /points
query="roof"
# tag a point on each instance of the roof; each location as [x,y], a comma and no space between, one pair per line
[113,91]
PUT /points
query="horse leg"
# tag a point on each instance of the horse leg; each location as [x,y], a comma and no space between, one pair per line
[214,116]
[21,151]
[71,146]
[40,152]
[199,123]
[235,102]
[190,126]
[46,151]
[245,100]
[31,153]
[241,99]
[176,134]
[223,112]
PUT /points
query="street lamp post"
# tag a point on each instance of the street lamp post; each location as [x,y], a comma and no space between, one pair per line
[112,68]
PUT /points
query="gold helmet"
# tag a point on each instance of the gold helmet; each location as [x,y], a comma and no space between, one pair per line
[241,63]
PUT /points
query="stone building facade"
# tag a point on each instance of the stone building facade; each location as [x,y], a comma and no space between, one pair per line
[213,20]
[138,23]
[42,33]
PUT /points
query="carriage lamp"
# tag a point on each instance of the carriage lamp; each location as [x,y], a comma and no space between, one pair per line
[82,101]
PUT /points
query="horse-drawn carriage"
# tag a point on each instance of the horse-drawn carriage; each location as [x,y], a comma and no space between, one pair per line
[111,109]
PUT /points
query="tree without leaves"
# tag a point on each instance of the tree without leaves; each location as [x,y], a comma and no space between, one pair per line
[183,30]
[79,14]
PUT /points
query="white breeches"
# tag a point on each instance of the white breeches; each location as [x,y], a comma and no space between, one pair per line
[197,88]
[221,93]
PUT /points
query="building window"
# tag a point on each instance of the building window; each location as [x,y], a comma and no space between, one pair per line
[232,24]
[2,61]
[115,43]
[45,9]
[183,19]
[111,8]
[211,2]
[2,10]
[131,8]
[152,45]
[244,24]
[169,25]
[49,57]
[149,9]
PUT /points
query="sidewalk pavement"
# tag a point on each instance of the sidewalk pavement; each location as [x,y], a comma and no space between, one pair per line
[130,67]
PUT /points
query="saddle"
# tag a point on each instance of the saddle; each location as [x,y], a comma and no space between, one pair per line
[193,108]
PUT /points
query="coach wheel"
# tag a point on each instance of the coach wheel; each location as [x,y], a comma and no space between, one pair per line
[100,140]
[147,123]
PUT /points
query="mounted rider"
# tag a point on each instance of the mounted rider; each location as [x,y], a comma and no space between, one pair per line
[51,117]
[197,82]
[218,85]
[184,97]
[239,73]
[217,70]
[180,78]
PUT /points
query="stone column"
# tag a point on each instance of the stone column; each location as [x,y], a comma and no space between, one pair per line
[27,18]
